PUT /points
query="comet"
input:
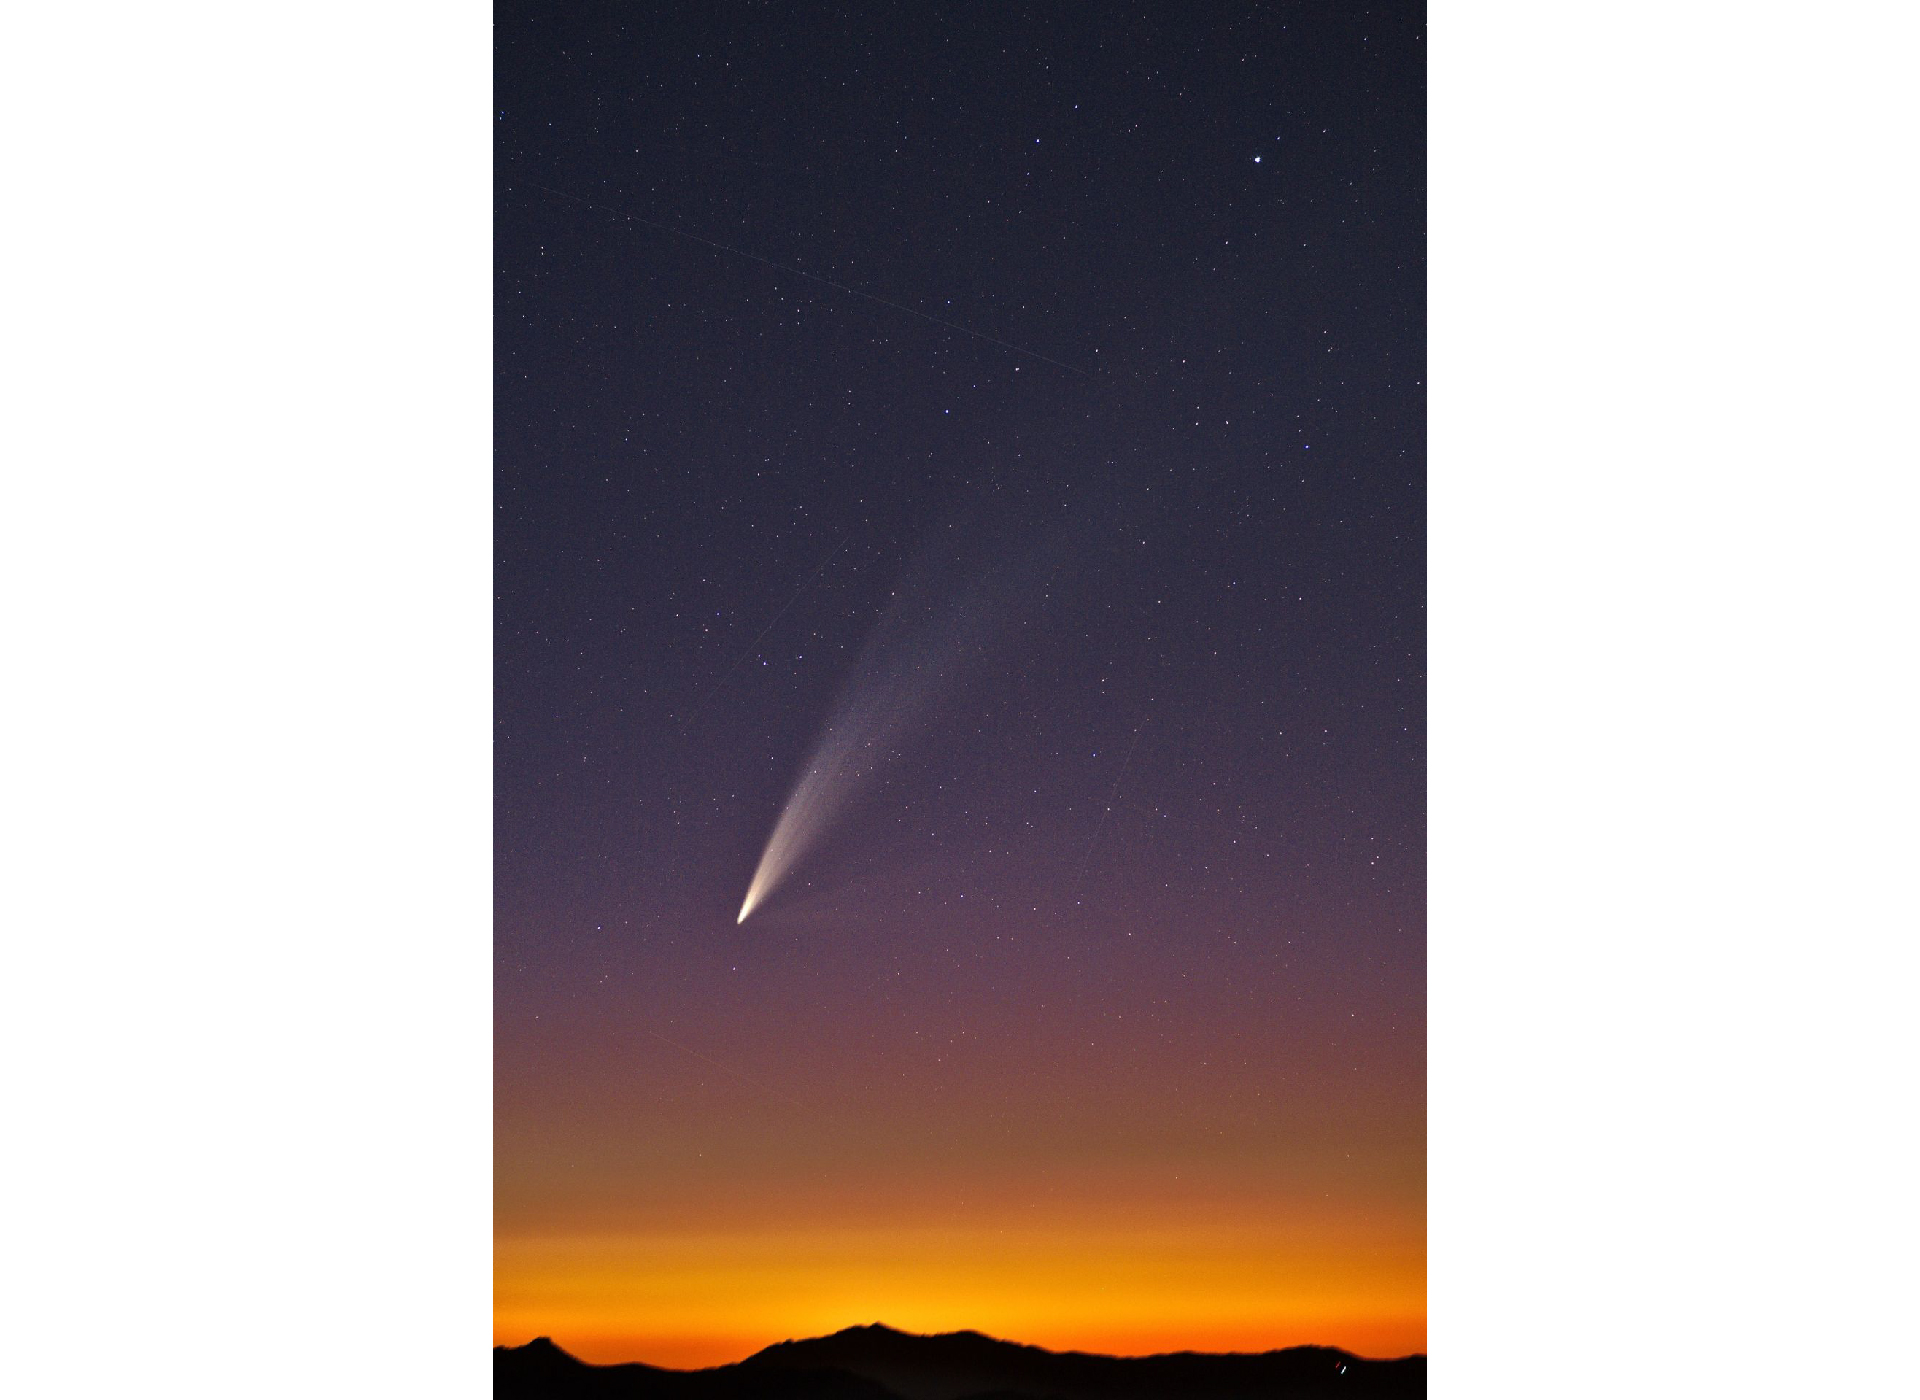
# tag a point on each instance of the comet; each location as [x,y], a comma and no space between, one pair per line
[915,649]
[846,754]
[889,692]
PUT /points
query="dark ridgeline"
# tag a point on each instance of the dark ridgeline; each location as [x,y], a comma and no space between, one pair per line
[540,1370]
[878,1363]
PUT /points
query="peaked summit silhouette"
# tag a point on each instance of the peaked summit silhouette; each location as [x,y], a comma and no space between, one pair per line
[880,1363]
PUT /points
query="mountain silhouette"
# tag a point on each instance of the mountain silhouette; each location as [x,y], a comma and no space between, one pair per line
[542,1371]
[880,1363]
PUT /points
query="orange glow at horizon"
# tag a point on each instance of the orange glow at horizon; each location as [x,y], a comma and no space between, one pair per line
[701,1299]
[1072,1167]
[655,1205]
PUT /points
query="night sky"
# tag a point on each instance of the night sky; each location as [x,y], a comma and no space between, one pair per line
[1027,406]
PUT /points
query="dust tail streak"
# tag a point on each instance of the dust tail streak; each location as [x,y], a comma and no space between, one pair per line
[879,705]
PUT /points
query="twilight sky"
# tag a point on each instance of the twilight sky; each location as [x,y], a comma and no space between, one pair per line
[1016,419]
